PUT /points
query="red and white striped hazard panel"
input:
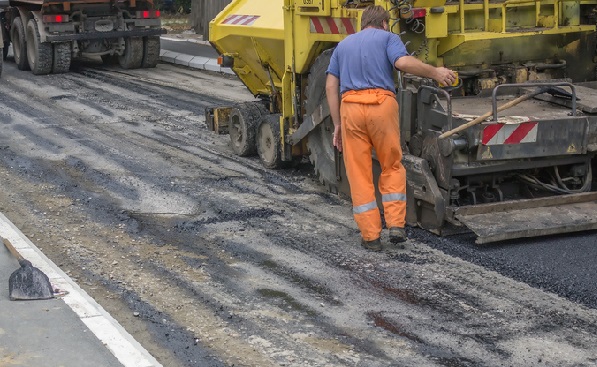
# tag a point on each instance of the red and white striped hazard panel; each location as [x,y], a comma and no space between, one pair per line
[328,25]
[237,19]
[500,134]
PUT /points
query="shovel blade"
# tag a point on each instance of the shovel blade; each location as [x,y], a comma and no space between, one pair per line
[29,283]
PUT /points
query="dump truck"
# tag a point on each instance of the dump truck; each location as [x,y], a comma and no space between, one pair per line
[46,35]
[507,152]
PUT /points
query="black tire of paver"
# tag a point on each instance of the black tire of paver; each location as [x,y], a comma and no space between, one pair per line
[39,54]
[242,130]
[319,141]
[133,53]
[268,142]
[5,50]
[62,57]
[19,44]
[110,59]
[1,65]
[151,51]
[315,91]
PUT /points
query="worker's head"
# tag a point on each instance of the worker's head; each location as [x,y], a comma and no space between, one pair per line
[375,16]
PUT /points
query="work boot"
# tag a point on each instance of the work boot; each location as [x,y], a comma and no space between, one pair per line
[374,245]
[397,235]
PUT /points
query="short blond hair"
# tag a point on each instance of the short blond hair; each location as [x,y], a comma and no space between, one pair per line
[374,16]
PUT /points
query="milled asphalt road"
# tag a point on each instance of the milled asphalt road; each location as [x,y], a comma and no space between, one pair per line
[561,264]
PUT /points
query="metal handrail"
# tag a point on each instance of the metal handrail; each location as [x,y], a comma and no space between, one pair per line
[494,105]
[448,98]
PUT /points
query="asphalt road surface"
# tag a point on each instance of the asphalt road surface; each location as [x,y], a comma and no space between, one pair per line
[208,259]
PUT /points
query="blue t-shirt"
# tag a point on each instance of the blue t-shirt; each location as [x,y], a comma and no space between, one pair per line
[365,60]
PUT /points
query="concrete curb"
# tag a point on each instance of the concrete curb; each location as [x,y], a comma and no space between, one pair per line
[195,62]
[198,40]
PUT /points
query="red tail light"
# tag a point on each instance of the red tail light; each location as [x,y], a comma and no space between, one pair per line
[419,13]
[55,18]
[148,14]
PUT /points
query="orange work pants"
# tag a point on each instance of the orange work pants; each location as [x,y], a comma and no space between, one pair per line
[370,121]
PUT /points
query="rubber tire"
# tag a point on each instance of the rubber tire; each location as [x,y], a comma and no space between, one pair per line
[39,54]
[319,141]
[269,147]
[110,59]
[5,50]
[62,57]
[151,51]
[242,134]
[133,53]
[242,131]
[19,44]
[315,91]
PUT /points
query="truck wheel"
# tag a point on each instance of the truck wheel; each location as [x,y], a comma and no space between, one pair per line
[151,51]
[5,50]
[133,53]
[62,57]
[268,142]
[19,45]
[242,130]
[243,121]
[39,54]
[319,141]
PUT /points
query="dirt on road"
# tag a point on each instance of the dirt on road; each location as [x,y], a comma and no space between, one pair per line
[209,259]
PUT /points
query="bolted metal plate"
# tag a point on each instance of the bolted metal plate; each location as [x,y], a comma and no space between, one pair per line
[540,139]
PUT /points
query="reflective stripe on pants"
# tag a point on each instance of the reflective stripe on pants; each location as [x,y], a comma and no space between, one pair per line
[370,120]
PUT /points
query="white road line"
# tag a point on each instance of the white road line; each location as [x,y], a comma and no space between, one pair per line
[120,343]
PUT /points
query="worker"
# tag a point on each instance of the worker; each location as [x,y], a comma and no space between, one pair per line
[361,95]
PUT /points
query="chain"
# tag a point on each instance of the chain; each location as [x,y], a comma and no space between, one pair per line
[422,48]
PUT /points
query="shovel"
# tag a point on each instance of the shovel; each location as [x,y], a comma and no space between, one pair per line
[27,282]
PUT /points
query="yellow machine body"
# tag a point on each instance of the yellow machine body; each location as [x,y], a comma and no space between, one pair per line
[274,41]
[280,48]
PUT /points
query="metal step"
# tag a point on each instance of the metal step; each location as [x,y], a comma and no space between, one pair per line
[530,217]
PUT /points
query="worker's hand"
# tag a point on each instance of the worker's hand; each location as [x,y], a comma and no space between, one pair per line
[445,76]
[337,137]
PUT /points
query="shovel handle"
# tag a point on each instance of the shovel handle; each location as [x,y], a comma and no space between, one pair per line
[12,249]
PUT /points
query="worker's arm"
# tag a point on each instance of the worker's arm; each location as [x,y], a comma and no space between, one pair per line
[412,65]
[332,89]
